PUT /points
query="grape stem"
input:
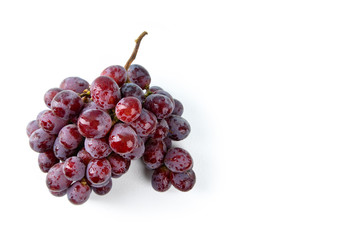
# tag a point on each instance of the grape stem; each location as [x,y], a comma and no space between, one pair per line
[133,55]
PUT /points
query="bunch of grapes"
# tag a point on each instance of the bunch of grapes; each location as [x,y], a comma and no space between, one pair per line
[91,133]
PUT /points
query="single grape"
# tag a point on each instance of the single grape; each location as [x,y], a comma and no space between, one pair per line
[128,109]
[50,123]
[91,105]
[179,128]
[160,105]
[70,137]
[31,127]
[145,124]
[50,94]
[178,160]
[74,169]
[84,156]
[39,115]
[56,180]
[103,190]
[105,92]
[165,93]
[161,179]
[179,108]
[132,90]
[162,130]
[139,75]
[154,153]
[66,104]
[46,160]
[119,164]
[58,194]
[79,192]
[94,123]
[184,181]
[40,141]
[97,147]
[75,84]
[98,172]
[122,139]
[137,152]
[155,88]
[62,152]
[167,142]
[117,73]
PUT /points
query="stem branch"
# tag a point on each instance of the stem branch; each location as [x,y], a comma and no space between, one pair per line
[133,55]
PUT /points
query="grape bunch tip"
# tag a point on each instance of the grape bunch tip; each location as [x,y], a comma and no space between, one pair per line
[90,133]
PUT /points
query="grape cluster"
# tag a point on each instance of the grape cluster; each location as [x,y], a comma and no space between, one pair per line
[91,133]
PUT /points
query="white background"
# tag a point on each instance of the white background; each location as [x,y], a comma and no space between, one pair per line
[271,89]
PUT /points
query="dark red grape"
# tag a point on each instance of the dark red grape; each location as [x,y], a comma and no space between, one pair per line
[97,147]
[79,192]
[70,137]
[105,92]
[122,139]
[179,108]
[128,109]
[91,105]
[84,156]
[132,90]
[162,130]
[155,88]
[160,105]
[103,190]
[178,160]
[62,152]
[179,128]
[145,124]
[139,75]
[39,115]
[50,123]
[119,164]
[31,127]
[40,141]
[50,94]
[46,160]
[165,93]
[56,180]
[167,142]
[94,123]
[161,179]
[75,84]
[137,152]
[117,73]
[66,104]
[98,172]
[154,153]
[58,194]
[184,181]
[74,169]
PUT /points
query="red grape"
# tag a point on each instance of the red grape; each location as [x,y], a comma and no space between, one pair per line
[94,123]
[70,137]
[98,172]
[31,127]
[154,153]
[50,94]
[84,156]
[145,124]
[132,90]
[46,160]
[128,109]
[179,128]
[122,139]
[40,141]
[167,142]
[79,192]
[160,105]
[56,180]
[117,73]
[74,169]
[66,104]
[161,179]
[75,84]
[119,164]
[62,152]
[103,190]
[139,75]
[184,181]
[137,152]
[105,92]
[58,194]
[162,130]
[179,108]
[178,160]
[50,123]
[97,147]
